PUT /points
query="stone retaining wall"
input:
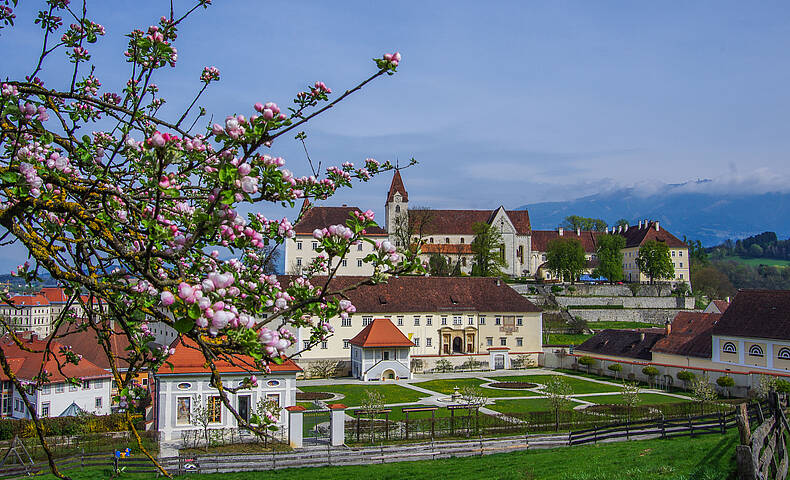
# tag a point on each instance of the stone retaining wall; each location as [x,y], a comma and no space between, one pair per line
[629,302]
[656,316]
[645,290]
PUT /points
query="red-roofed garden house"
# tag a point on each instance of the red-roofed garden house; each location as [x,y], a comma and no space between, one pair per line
[380,352]
[179,390]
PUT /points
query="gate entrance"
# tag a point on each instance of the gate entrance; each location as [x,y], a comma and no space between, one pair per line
[316,426]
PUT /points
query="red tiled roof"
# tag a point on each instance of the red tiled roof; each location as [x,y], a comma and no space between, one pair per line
[381,333]
[28,300]
[189,359]
[322,217]
[460,222]
[447,248]
[623,343]
[757,314]
[636,236]
[429,294]
[86,342]
[54,294]
[397,186]
[690,335]
[588,239]
[26,364]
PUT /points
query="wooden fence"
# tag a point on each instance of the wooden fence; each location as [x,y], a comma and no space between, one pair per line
[762,453]
[658,428]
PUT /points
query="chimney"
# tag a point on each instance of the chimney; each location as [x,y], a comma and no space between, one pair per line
[641,336]
[668,327]
[578,232]
[498,282]
[658,228]
[727,299]
[640,223]
[560,231]
[645,223]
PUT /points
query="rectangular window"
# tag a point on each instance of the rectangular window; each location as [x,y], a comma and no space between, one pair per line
[681,264]
[482,320]
[305,344]
[46,389]
[416,341]
[490,341]
[346,343]
[359,262]
[59,387]
[519,322]
[298,245]
[444,320]
[471,320]
[100,383]
[367,321]
[98,403]
[214,409]
[345,322]
[324,345]
[428,320]
[416,320]
[680,253]
[502,341]
[72,388]
[45,409]
[673,253]
[400,321]
[344,262]
[519,342]
[428,342]
[298,261]
[457,321]
[315,245]
[498,321]
[86,385]
[275,399]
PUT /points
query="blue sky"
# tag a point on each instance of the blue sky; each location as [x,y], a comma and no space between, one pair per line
[501,102]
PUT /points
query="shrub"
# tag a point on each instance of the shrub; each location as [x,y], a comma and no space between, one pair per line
[651,372]
[571,289]
[556,289]
[782,386]
[587,361]
[685,376]
[443,366]
[65,426]
[616,368]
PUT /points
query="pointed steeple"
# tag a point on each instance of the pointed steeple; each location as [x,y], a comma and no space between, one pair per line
[397,186]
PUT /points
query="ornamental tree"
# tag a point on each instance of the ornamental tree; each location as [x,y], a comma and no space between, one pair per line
[654,261]
[610,257]
[488,251]
[565,258]
[140,216]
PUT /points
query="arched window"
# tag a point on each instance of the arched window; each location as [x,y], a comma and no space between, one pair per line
[729,347]
[397,208]
[784,353]
[756,351]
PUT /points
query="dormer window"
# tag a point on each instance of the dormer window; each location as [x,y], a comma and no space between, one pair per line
[382,300]
[454,300]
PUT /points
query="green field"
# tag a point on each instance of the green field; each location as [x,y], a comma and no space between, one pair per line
[685,458]
[775,262]
[523,406]
[447,386]
[354,394]
[566,338]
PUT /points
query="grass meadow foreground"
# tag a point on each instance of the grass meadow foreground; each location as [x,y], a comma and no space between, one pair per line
[710,457]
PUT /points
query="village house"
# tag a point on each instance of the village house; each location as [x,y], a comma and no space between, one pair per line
[380,352]
[646,231]
[540,246]
[179,389]
[454,318]
[57,397]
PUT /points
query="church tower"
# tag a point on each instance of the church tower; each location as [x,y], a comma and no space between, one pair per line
[397,203]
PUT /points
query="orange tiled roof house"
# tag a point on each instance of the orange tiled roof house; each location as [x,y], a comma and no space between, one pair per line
[381,351]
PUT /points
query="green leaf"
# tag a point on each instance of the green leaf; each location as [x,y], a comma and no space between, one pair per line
[194,312]
[183,325]
[227,173]
[10,177]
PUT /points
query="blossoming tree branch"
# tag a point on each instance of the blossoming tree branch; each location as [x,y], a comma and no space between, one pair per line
[139,216]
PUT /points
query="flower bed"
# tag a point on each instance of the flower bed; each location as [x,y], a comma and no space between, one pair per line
[514,385]
[314,396]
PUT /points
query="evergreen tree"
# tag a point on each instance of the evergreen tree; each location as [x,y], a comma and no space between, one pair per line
[610,257]
[488,250]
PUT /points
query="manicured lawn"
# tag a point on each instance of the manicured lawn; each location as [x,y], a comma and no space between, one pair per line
[566,338]
[355,394]
[397,415]
[522,406]
[447,386]
[644,399]
[684,458]
[578,385]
